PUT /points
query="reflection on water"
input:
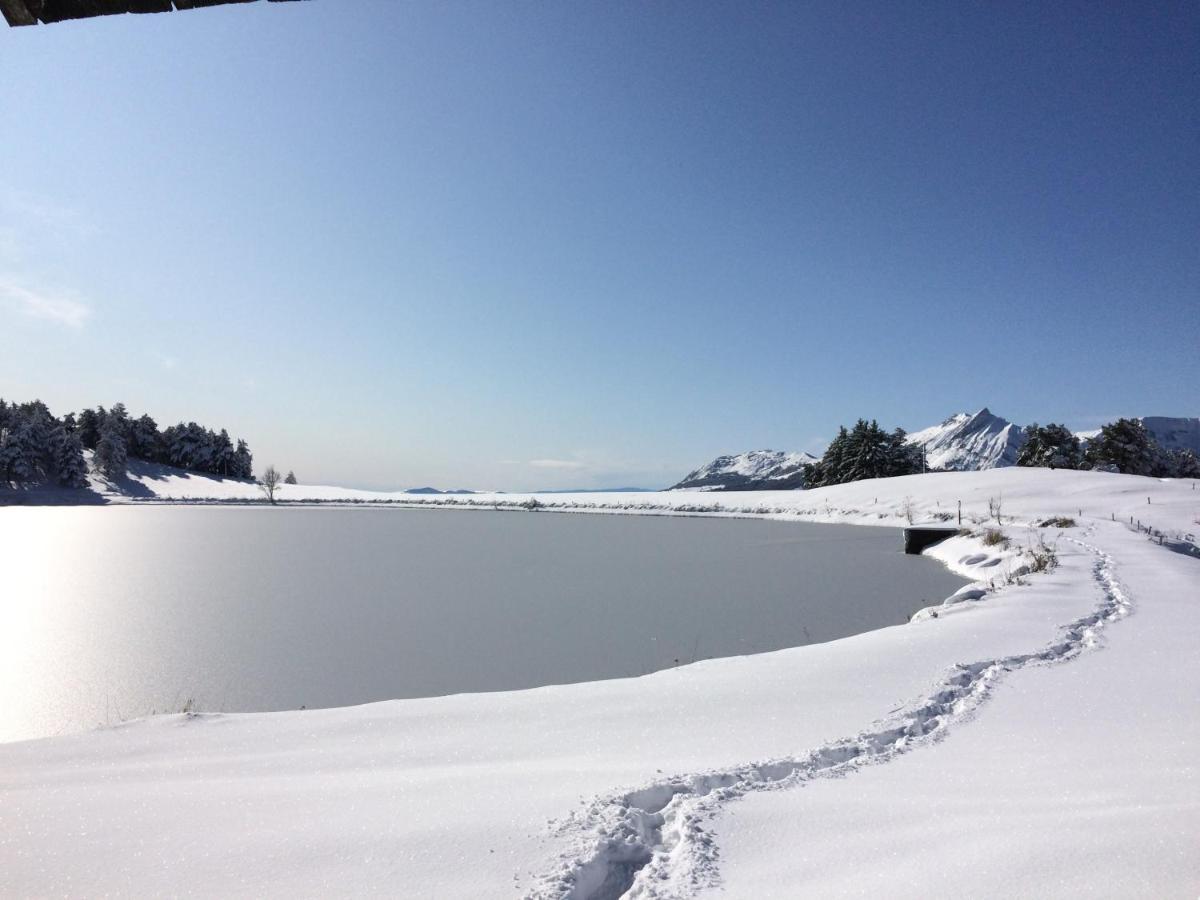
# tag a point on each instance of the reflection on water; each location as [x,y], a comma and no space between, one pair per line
[112,613]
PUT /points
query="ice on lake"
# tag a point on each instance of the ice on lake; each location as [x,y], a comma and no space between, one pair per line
[112,613]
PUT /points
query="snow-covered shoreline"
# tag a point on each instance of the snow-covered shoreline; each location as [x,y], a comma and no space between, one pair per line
[577,790]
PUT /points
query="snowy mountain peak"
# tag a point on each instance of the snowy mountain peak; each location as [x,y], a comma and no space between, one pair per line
[754,470]
[966,441]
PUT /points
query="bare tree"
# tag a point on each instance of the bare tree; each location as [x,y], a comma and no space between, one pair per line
[995,505]
[269,483]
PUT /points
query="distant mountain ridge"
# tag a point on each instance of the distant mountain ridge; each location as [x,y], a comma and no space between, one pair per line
[751,471]
[963,442]
[1171,432]
[1174,433]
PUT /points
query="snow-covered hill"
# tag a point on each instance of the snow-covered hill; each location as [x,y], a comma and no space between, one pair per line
[970,442]
[755,470]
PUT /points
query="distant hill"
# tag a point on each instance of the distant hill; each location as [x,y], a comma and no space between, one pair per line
[753,471]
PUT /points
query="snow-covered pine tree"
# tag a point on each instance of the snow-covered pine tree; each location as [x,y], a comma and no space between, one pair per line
[87,426]
[903,458]
[1125,444]
[868,454]
[118,416]
[1184,464]
[827,470]
[144,440]
[17,462]
[244,460]
[111,455]
[67,460]
[1053,447]
[224,456]
[865,451]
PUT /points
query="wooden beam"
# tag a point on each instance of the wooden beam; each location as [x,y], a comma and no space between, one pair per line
[17,13]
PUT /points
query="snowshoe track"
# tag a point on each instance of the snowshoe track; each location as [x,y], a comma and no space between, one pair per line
[651,842]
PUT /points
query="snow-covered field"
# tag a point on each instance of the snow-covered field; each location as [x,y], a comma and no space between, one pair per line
[1036,737]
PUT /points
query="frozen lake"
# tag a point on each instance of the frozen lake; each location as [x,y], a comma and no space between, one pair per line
[111,613]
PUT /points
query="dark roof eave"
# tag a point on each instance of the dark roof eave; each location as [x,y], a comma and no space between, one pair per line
[31,12]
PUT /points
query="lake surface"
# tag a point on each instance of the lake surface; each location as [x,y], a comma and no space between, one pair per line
[111,613]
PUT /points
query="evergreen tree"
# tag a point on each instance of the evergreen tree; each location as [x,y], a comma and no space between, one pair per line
[67,456]
[1184,464]
[1174,463]
[224,456]
[1126,445]
[244,461]
[868,456]
[904,458]
[144,440]
[111,455]
[865,451]
[30,442]
[17,459]
[1053,447]
[185,446]
[118,417]
[291,478]
[35,447]
[88,428]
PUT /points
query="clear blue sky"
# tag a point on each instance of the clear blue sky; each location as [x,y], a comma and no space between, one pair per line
[525,245]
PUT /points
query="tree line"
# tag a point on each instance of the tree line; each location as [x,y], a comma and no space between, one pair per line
[1121,446]
[38,448]
[865,451]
